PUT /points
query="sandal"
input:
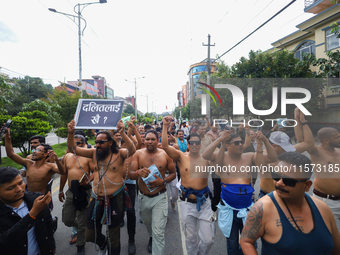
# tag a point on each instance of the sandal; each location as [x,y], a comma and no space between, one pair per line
[73,239]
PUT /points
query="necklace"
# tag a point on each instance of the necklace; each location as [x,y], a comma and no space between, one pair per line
[291,215]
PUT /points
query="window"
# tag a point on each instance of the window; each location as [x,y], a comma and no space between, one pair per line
[331,40]
[307,47]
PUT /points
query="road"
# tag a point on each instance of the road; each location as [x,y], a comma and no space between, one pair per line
[51,139]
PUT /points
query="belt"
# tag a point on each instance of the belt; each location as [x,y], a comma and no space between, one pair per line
[191,200]
[320,194]
[154,195]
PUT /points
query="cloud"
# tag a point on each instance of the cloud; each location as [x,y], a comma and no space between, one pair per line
[6,33]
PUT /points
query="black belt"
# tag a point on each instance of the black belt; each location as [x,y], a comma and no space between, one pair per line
[154,195]
[191,200]
[320,194]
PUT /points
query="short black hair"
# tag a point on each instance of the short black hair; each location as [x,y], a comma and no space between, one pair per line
[151,131]
[297,159]
[233,136]
[193,135]
[147,126]
[46,147]
[81,132]
[179,130]
[82,138]
[39,137]
[8,174]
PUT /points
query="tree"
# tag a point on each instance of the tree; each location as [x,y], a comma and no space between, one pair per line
[26,125]
[129,110]
[5,93]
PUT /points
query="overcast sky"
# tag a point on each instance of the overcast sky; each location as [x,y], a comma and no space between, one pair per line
[131,39]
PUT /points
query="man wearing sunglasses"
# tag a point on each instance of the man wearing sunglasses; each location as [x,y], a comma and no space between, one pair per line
[108,185]
[152,196]
[288,220]
[78,170]
[196,214]
[281,143]
[236,170]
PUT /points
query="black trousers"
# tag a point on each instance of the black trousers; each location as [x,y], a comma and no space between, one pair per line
[131,213]
[217,193]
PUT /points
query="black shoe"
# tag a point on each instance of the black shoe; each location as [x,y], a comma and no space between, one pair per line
[122,224]
[132,248]
[81,250]
[150,245]
[55,224]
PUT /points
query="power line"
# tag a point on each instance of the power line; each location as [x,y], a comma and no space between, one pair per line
[227,12]
[256,29]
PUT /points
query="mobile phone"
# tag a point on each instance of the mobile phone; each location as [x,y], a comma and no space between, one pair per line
[82,178]
[49,186]
[7,125]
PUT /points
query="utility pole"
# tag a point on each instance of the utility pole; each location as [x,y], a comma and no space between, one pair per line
[208,74]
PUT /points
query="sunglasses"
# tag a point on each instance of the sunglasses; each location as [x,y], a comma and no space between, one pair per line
[37,150]
[101,142]
[287,181]
[237,143]
[77,143]
[194,142]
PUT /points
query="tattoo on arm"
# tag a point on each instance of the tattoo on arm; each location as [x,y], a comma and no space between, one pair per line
[253,223]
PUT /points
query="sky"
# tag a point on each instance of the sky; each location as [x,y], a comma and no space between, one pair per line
[124,40]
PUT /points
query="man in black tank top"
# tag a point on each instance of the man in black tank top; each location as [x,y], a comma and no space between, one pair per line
[288,220]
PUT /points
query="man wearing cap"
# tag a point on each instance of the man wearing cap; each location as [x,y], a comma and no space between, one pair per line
[326,158]
[288,220]
[281,143]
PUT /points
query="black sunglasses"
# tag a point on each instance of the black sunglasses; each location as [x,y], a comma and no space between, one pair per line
[287,181]
[237,143]
[101,142]
[77,143]
[194,142]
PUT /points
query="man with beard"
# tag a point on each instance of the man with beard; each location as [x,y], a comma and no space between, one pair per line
[153,203]
[25,221]
[326,158]
[39,172]
[78,171]
[288,220]
[107,204]
[196,215]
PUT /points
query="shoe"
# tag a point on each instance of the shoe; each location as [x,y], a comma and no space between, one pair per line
[55,224]
[150,245]
[81,250]
[214,216]
[122,224]
[131,248]
[103,252]
[73,239]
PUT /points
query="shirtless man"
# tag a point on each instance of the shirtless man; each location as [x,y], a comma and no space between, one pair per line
[39,172]
[326,158]
[74,215]
[281,143]
[196,215]
[153,203]
[236,195]
[288,220]
[108,185]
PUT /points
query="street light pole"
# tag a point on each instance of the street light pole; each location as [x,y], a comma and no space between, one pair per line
[135,92]
[80,33]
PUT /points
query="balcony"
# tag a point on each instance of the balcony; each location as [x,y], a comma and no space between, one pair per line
[317,6]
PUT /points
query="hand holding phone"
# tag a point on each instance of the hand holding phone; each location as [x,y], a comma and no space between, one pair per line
[49,186]
[7,125]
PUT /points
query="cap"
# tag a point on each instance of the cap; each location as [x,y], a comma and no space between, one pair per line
[281,139]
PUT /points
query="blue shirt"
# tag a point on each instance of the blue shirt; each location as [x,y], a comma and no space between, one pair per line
[32,244]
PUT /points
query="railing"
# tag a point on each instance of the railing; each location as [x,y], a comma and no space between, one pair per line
[309,2]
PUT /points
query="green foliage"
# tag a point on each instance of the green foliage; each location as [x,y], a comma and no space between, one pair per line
[61,132]
[24,126]
[129,110]
[5,93]
[49,109]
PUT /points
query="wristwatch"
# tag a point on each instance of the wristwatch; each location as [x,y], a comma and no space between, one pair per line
[305,123]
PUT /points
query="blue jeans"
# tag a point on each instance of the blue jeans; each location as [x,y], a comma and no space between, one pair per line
[233,244]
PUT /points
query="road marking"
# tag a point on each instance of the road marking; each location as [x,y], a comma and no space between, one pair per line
[55,190]
[184,247]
